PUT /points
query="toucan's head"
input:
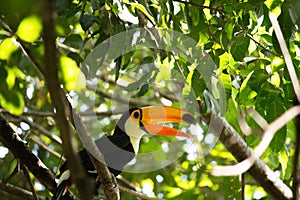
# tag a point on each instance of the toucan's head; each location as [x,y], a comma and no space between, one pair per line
[149,120]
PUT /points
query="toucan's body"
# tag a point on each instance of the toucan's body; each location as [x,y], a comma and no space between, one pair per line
[121,147]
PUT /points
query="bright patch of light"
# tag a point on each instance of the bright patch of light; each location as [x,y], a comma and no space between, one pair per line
[24,126]
[148,187]
[277,173]
[159,178]
[165,147]
[209,139]
[183,177]
[35,149]
[136,35]
[106,121]
[39,186]
[197,131]
[3,151]
[176,7]
[259,194]
[83,108]
[92,97]
[160,195]
[191,156]
[132,162]
[166,102]
[103,108]
[122,82]
[126,16]
[29,91]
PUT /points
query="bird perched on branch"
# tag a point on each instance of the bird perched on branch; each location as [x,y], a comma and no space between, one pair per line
[121,147]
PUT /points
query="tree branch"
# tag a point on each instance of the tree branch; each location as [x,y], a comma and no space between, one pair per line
[110,187]
[239,149]
[20,151]
[17,191]
[60,102]
[295,173]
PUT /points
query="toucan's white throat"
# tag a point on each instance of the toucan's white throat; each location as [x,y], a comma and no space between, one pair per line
[135,133]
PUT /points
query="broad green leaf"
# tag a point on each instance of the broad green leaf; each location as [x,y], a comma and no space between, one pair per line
[86,21]
[143,90]
[13,101]
[172,192]
[30,28]
[135,85]
[74,41]
[225,82]
[246,95]
[194,11]
[257,80]
[240,47]
[11,97]
[165,68]
[72,76]
[7,47]
[283,159]
[198,83]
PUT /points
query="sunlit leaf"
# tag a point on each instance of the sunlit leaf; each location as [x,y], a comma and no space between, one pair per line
[141,8]
[7,47]
[30,28]
[73,78]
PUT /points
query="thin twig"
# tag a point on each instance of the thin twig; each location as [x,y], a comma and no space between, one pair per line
[137,194]
[286,55]
[36,126]
[108,95]
[17,191]
[221,11]
[38,141]
[26,173]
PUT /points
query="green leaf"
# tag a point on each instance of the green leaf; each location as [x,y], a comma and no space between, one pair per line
[225,80]
[198,83]
[86,21]
[141,8]
[71,75]
[278,140]
[246,95]
[7,47]
[144,89]
[283,159]
[74,41]
[30,28]
[11,97]
[142,81]
[240,47]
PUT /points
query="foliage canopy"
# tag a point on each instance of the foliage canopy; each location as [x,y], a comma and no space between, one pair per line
[241,71]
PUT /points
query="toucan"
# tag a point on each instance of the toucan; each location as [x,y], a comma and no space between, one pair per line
[122,146]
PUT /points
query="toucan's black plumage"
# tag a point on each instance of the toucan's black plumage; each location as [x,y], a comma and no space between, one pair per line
[121,147]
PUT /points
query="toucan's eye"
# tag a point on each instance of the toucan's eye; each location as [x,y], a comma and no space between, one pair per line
[136,114]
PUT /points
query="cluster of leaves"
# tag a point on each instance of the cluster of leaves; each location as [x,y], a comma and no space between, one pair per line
[237,35]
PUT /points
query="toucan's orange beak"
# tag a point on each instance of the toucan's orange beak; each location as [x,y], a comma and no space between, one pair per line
[152,116]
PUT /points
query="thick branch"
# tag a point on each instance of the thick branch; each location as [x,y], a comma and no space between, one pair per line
[110,187]
[60,102]
[239,149]
[20,151]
